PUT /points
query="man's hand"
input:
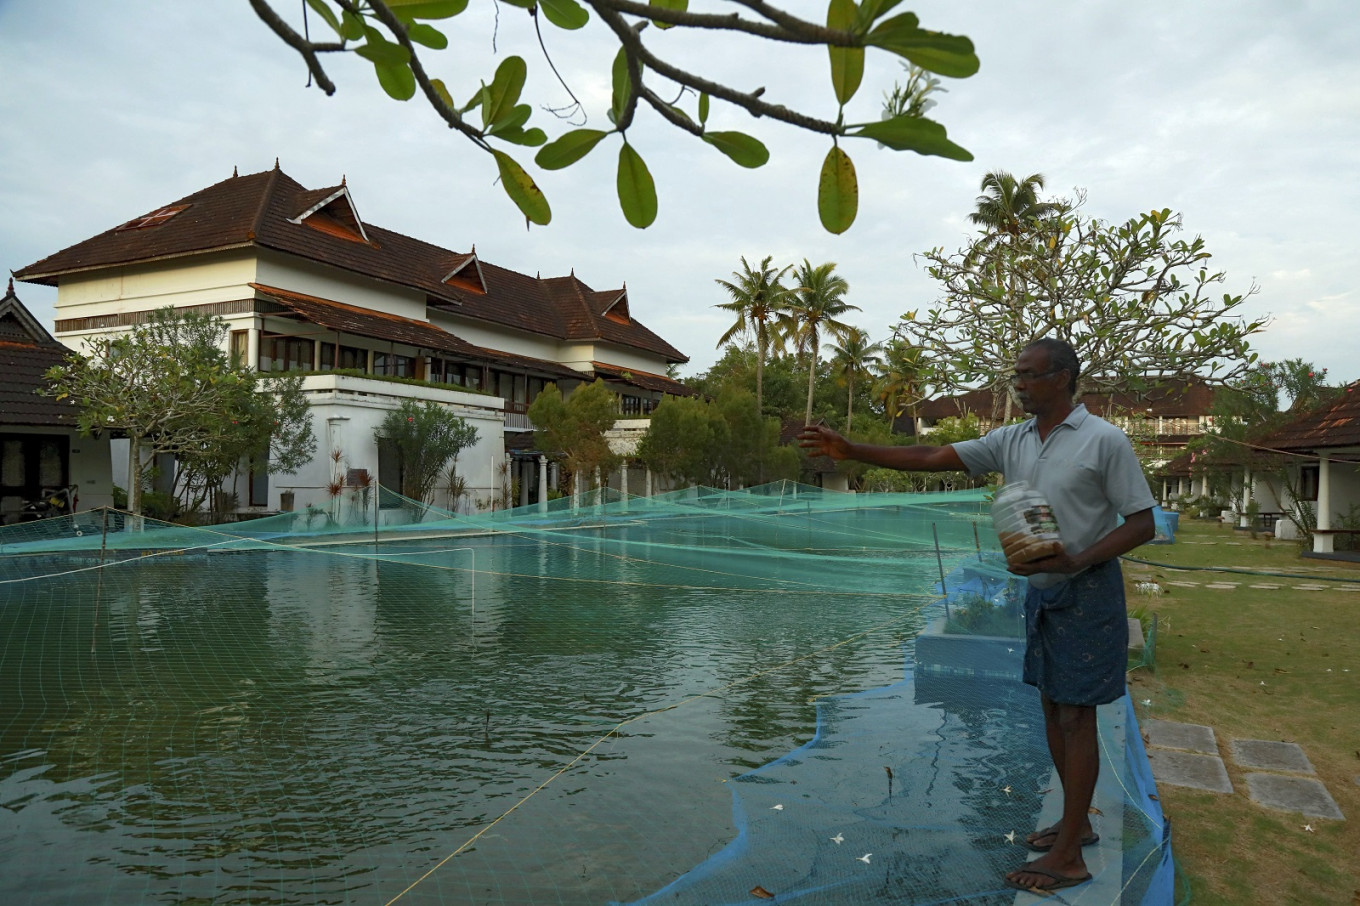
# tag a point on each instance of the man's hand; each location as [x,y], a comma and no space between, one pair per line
[819,440]
[1063,563]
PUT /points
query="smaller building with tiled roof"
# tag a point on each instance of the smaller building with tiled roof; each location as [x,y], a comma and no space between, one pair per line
[41,449]
[1322,448]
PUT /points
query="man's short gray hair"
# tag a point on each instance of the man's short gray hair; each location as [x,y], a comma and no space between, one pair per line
[1061,357]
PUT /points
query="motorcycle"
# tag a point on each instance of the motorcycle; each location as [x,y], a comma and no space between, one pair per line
[53,502]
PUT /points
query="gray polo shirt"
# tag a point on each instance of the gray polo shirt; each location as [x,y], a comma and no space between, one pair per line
[1086,468]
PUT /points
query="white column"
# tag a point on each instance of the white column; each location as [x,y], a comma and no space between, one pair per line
[1243,519]
[526,474]
[623,486]
[543,484]
[1323,544]
[647,485]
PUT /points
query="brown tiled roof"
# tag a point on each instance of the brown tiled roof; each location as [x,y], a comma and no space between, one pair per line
[27,350]
[365,322]
[531,365]
[1334,425]
[257,209]
[656,382]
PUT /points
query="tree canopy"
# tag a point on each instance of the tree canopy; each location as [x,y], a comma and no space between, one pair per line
[424,438]
[399,38]
[574,428]
[169,385]
[1136,300]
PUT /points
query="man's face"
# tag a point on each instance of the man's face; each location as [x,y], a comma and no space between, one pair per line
[1036,385]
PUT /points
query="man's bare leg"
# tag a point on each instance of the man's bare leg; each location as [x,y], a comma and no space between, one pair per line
[1076,752]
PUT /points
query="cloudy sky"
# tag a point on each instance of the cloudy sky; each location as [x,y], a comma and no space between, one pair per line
[1244,116]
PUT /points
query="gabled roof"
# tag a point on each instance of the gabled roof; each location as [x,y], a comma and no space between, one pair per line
[27,350]
[271,210]
[1336,424]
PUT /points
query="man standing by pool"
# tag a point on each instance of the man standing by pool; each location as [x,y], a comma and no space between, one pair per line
[1076,626]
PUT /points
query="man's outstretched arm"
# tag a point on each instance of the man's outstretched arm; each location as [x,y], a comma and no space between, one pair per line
[820,440]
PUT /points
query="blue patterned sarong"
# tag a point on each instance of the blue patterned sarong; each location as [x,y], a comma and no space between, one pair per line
[1077,637]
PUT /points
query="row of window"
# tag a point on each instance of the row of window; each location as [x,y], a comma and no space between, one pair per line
[285,353]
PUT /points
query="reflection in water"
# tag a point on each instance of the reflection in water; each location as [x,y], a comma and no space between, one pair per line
[303,727]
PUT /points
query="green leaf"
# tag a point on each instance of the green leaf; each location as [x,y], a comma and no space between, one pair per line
[744,149]
[623,85]
[522,4]
[351,26]
[512,121]
[500,97]
[847,63]
[531,137]
[913,133]
[443,92]
[637,191]
[427,9]
[324,11]
[870,10]
[396,79]
[566,14]
[568,149]
[380,50]
[837,192]
[522,190]
[703,106]
[427,35]
[948,55]
[679,6]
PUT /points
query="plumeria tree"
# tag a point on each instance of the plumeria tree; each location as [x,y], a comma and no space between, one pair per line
[650,72]
[169,386]
[1139,302]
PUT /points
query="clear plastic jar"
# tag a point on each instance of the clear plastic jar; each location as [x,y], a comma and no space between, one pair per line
[1025,523]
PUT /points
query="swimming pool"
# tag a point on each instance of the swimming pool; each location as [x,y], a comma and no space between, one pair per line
[324,726]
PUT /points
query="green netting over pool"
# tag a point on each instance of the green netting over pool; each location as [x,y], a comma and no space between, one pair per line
[677,699]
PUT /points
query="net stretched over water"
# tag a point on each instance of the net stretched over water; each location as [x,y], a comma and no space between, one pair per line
[702,697]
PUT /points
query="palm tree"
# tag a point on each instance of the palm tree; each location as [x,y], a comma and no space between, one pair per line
[902,379]
[815,305]
[854,358]
[1006,211]
[759,299]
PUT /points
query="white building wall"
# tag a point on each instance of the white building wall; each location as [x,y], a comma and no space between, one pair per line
[347,410]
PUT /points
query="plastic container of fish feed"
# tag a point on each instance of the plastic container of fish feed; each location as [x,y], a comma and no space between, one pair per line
[1025,523]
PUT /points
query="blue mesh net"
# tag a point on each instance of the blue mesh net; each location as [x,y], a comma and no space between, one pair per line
[672,699]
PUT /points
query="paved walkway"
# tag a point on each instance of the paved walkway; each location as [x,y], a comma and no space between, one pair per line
[1279,774]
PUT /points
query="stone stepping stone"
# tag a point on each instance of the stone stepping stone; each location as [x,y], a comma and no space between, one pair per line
[1348,588]
[1222,585]
[1269,587]
[1200,772]
[1270,756]
[1292,794]
[1185,584]
[1310,588]
[1172,735]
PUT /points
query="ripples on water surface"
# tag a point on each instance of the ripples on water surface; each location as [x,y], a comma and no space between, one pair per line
[300,727]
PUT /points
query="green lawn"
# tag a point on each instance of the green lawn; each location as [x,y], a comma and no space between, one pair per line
[1275,664]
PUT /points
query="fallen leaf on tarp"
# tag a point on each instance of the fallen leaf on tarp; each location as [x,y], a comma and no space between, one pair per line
[761,892]
[1153,796]
[1095,811]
